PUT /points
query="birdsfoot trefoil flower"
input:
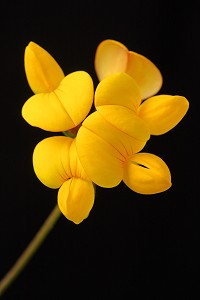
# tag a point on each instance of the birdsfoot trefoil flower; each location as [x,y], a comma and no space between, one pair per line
[57,166]
[102,148]
[108,156]
[120,128]
[112,57]
[160,113]
[60,102]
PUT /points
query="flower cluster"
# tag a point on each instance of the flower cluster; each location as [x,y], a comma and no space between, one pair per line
[102,147]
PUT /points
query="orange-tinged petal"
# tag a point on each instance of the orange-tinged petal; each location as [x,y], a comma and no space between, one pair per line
[76,199]
[100,160]
[118,89]
[63,109]
[145,73]
[51,161]
[146,173]
[110,57]
[42,71]
[163,112]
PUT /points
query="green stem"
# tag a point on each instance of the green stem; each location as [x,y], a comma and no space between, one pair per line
[30,250]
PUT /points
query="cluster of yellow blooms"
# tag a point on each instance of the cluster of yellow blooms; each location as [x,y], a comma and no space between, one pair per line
[105,148]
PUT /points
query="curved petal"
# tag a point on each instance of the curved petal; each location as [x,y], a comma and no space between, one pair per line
[147,173]
[104,145]
[75,164]
[63,109]
[46,112]
[110,57]
[42,71]
[112,133]
[75,94]
[163,112]
[100,160]
[125,121]
[76,199]
[51,161]
[118,89]
[145,73]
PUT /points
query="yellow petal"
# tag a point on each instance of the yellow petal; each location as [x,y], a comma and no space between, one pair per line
[146,173]
[118,89]
[42,71]
[115,133]
[51,161]
[75,164]
[163,112]
[100,160]
[76,199]
[46,112]
[63,109]
[103,145]
[145,73]
[110,57]
[125,121]
[75,94]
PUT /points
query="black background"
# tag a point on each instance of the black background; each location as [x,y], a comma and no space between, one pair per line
[131,246]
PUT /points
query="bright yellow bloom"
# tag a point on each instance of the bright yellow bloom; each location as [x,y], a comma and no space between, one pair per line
[103,146]
[106,148]
[108,156]
[57,166]
[61,102]
[160,113]
[109,138]
[112,57]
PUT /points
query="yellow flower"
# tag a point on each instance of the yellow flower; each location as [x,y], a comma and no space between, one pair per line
[106,148]
[60,102]
[163,112]
[160,113]
[110,138]
[113,57]
[108,155]
[57,166]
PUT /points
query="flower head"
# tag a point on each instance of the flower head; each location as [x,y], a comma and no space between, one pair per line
[60,102]
[106,145]
[57,166]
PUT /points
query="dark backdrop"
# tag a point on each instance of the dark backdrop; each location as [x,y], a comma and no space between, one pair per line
[131,246]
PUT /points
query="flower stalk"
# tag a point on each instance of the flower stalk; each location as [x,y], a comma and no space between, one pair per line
[30,250]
